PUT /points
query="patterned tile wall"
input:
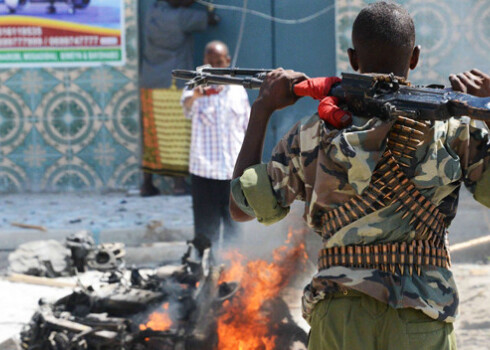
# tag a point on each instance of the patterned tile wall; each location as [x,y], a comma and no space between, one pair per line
[72,129]
[454,35]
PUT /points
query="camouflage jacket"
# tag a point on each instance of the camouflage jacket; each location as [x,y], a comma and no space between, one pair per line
[326,167]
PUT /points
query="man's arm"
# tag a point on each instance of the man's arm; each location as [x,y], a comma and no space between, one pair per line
[477,83]
[473,82]
[199,92]
[275,93]
[193,20]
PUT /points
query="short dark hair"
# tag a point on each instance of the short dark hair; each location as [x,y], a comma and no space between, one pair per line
[384,25]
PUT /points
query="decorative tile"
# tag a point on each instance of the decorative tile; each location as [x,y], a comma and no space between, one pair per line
[104,154]
[68,119]
[66,75]
[454,35]
[102,83]
[71,175]
[123,118]
[34,155]
[14,124]
[127,175]
[12,177]
[478,33]
[31,85]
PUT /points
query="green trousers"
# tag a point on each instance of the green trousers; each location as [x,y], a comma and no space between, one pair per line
[356,321]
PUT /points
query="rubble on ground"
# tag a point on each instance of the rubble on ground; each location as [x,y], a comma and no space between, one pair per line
[50,258]
[120,313]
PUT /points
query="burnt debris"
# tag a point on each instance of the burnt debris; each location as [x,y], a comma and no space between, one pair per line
[121,314]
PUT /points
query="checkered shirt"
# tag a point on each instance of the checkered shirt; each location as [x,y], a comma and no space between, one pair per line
[218,127]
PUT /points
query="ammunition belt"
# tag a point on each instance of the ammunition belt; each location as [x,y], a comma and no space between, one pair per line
[403,139]
[399,257]
[390,186]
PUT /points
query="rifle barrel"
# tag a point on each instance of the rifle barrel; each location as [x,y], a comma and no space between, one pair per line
[184,74]
[248,82]
[236,71]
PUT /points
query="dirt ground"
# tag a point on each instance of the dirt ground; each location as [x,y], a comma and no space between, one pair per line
[19,301]
[137,221]
[473,324]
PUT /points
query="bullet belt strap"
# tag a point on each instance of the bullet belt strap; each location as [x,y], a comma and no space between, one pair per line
[390,186]
[399,257]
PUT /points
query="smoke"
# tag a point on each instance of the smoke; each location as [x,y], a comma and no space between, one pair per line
[257,242]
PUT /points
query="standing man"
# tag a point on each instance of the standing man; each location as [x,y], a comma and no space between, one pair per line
[380,193]
[219,119]
[167,44]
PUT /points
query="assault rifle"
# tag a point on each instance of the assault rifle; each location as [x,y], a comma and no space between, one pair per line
[369,95]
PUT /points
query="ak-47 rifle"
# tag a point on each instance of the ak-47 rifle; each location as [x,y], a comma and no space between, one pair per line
[369,95]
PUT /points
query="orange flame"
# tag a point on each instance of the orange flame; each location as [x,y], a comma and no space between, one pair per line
[236,269]
[243,324]
[159,320]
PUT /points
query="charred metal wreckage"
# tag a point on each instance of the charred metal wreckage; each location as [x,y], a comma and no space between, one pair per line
[113,316]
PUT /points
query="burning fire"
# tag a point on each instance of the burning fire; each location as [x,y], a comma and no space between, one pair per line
[244,323]
[159,320]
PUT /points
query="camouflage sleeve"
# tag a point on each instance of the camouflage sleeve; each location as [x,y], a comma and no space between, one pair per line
[267,190]
[253,194]
[285,169]
[472,144]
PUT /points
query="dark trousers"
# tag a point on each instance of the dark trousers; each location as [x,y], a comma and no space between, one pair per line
[210,201]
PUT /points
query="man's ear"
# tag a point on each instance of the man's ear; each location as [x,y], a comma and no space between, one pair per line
[354,63]
[415,57]
[228,60]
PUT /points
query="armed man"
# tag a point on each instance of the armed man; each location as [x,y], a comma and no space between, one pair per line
[381,193]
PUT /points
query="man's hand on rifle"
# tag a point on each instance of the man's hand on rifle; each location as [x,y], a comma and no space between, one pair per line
[201,91]
[276,91]
[473,82]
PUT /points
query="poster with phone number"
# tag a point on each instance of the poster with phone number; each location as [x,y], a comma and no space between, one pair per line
[61,33]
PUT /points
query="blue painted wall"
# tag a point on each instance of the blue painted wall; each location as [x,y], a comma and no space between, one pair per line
[308,47]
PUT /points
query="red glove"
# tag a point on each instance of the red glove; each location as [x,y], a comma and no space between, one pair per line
[318,88]
[328,110]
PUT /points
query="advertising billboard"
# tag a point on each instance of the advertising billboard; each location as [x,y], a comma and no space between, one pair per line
[61,33]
